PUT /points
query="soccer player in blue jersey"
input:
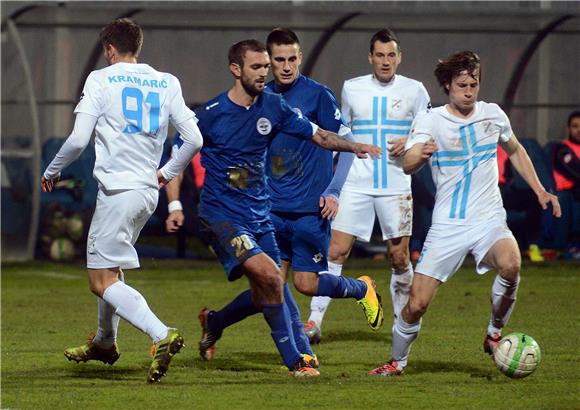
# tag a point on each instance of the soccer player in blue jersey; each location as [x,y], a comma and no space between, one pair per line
[303,191]
[235,208]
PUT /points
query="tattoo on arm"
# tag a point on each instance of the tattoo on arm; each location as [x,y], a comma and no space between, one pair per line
[332,141]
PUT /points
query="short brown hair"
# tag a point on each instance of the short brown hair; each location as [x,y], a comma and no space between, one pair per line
[446,70]
[238,51]
[123,34]
[385,35]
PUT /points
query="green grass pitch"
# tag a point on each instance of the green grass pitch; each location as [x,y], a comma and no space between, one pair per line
[48,307]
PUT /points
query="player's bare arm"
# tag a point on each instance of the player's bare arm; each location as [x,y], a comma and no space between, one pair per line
[417,156]
[176,217]
[523,164]
[334,142]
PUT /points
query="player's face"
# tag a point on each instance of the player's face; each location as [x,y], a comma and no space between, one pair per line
[255,71]
[286,60]
[463,91]
[574,129]
[385,59]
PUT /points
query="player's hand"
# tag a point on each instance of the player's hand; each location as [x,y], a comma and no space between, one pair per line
[329,206]
[397,147]
[428,149]
[361,150]
[47,185]
[161,179]
[174,221]
[544,197]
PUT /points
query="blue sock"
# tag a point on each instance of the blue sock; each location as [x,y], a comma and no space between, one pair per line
[300,338]
[281,330]
[237,310]
[339,287]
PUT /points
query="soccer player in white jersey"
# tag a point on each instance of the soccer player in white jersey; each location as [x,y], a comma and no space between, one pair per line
[379,108]
[129,105]
[459,140]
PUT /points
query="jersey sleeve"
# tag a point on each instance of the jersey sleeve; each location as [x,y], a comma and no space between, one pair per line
[346,110]
[292,123]
[178,110]
[91,100]
[504,124]
[329,116]
[422,101]
[421,130]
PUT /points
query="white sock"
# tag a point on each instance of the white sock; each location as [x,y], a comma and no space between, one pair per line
[107,327]
[319,304]
[108,322]
[404,334]
[401,288]
[503,300]
[131,306]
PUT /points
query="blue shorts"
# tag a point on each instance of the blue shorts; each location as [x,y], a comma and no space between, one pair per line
[303,239]
[235,242]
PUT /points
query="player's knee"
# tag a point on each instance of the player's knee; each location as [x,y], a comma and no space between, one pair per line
[337,254]
[510,270]
[306,284]
[96,288]
[271,282]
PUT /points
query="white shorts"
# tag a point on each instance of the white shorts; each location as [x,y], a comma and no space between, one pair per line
[356,215]
[447,246]
[118,220]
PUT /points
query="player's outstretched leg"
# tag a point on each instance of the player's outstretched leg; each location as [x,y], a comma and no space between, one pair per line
[213,322]
[362,289]
[318,307]
[93,351]
[163,352]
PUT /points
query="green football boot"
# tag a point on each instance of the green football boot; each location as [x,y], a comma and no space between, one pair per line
[91,351]
[162,353]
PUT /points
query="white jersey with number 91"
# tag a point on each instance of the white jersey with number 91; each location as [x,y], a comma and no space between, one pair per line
[134,104]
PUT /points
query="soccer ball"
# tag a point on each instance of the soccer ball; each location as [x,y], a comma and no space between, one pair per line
[517,355]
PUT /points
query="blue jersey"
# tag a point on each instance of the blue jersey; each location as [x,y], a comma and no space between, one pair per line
[299,171]
[236,139]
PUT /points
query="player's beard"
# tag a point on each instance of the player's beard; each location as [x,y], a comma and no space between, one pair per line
[250,88]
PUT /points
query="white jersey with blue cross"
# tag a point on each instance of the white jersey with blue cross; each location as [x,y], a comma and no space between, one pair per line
[464,167]
[378,113]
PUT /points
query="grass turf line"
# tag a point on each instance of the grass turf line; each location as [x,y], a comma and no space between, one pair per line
[48,307]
